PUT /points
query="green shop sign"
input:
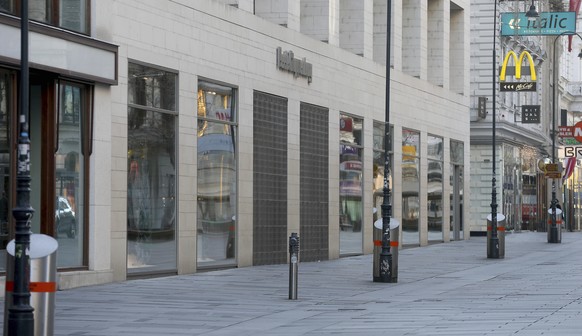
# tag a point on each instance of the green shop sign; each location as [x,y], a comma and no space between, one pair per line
[549,23]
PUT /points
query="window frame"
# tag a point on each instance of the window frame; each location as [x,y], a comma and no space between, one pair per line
[54,15]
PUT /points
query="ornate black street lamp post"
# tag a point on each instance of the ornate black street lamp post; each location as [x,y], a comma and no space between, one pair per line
[20,316]
[493,248]
[386,256]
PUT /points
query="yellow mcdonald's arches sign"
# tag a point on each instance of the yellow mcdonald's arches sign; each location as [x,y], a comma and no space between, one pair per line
[518,63]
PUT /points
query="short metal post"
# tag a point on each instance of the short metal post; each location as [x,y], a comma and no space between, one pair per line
[293,265]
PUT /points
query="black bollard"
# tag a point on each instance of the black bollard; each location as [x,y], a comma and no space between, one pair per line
[293,265]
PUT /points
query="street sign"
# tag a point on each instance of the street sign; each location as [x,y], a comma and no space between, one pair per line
[530,114]
[549,23]
[518,87]
[553,170]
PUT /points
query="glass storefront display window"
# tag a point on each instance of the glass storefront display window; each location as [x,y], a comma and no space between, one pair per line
[435,188]
[351,164]
[410,187]
[216,194]
[151,174]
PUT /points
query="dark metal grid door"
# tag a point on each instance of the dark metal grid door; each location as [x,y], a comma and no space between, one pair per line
[270,179]
[314,182]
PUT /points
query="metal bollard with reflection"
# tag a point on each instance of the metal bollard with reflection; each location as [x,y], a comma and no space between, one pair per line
[293,265]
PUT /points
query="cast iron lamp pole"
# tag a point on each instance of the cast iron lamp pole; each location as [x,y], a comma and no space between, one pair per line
[553,236]
[20,316]
[493,248]
[386,256]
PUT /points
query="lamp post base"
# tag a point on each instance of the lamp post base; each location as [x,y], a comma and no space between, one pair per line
[554,237]
[493,250]
[386,267]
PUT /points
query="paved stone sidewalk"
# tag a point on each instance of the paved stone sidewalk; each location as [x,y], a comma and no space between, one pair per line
[443,289]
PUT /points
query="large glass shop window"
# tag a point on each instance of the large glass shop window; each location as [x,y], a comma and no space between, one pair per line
[151,170]
[69,177]
[410,187]
[512,178]
[350,185]
[435,157]
[216,221]
[457,156]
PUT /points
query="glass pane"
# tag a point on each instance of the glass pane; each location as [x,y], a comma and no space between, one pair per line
[456,198]
[410,187]
[350,199]
[69,207]
[457,152]
[511,186]
[215,102]
[411,139]
[39,10]
[151,191]
[5,94]
[72,15]
[7,6]
[435,148]
[216,176]
[530,187]
[152,87]
[435,200]
[351,130]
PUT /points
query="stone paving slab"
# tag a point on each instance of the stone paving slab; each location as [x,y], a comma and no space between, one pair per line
[443,289]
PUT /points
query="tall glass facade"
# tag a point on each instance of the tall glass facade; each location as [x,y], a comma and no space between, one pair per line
[351,149]
[216,194]
[69,174]
[410,187]
[151,173]
[434,193]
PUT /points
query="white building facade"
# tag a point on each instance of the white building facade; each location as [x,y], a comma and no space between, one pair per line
[187,135]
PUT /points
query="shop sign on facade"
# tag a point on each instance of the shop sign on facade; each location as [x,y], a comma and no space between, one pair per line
[553,170]
[571,132]
[530,114]
[549,23]
[299,67]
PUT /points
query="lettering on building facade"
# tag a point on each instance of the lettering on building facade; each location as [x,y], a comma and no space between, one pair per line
[298,67]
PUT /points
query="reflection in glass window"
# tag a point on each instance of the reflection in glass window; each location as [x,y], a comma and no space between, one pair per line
[151,173]
[69,171]
[66,14]
[435,188]
[73,15]
[350,185]
[410,187]
[216,175]
[456,195]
